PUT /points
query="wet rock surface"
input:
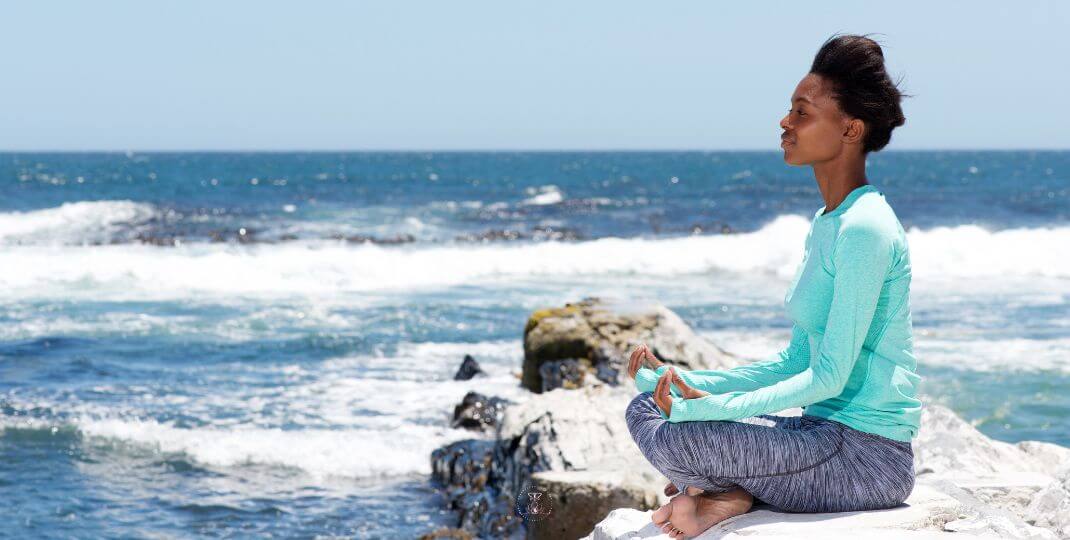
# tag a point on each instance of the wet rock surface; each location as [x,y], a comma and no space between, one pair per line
[478,412]
[469,368]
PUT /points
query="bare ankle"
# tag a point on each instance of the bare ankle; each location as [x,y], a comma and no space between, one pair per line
[731,495]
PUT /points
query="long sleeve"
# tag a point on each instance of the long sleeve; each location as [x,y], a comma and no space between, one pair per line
[791,360]
[861,257]
[646,379]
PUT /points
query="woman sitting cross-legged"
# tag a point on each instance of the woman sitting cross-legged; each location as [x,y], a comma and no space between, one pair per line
[850,361]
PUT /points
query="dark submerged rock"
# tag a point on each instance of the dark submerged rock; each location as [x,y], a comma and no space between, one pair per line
[469,368]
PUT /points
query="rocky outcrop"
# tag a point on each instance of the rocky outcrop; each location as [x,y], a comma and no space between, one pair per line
[598,335]
[478,412]
[562,464]
[1030,479]
[562,431]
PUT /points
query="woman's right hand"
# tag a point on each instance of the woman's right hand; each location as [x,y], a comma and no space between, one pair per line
[642,357]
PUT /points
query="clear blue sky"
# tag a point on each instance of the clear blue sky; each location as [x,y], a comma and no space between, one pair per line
[245,75]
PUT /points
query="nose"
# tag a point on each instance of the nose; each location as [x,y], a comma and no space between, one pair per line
[784,124]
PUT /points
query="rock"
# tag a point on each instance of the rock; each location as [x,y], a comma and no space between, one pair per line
[447,532]
[558,431]
[466,470]
[1053,456]
[950,447]
[538,233]
[600,334]
[463,463]
[568,430]
[469,368]
[1050,506]
[363,239]
[586,496]
[930,512]
[1014,477]
[568,374]
[478,412]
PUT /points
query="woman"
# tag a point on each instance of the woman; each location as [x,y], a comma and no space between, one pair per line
[850,361]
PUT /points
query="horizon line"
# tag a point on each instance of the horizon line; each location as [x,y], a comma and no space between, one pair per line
[485,151]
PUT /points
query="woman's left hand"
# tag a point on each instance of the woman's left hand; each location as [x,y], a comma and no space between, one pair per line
[663,398]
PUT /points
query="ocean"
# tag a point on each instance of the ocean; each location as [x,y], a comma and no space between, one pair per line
[263,344]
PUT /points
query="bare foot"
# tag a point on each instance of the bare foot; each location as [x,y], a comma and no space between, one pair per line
[689,516]
[670,490]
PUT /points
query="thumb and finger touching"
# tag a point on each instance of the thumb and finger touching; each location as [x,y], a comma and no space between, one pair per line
[686,390]
[661,394]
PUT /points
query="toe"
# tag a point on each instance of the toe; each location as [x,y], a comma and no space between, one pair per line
[661,515]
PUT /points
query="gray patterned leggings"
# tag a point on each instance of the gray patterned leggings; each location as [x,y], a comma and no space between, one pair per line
[798,464]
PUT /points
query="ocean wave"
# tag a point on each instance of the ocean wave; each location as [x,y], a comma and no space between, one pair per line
[120,222]
[354,453]
[74,222]
[973,251]
[351,453]
[931,348]
[330,267]
[357,416]
[543,195]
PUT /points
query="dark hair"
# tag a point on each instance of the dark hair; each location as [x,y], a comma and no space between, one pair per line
[854,65]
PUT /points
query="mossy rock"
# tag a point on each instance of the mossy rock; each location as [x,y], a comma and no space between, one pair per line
[600,334]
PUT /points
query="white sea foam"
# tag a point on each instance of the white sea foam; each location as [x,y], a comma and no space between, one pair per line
[27,323]
[1003,355]
[544,195]
[972,251]
[356,453]
[298,268]
[73,222]
[365,415]
[931,348]
[333,268]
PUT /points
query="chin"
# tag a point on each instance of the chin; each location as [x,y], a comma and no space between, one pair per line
[789,159]
[792,157]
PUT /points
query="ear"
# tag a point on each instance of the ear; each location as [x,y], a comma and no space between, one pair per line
[854,131]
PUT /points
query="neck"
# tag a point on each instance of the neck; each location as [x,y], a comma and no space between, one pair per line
[836,178]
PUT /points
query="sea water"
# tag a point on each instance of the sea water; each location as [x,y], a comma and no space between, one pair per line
[227,344]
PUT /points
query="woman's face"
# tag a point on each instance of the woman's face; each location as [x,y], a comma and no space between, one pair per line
[815,129]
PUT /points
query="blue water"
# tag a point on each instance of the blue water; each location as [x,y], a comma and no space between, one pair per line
[253,344]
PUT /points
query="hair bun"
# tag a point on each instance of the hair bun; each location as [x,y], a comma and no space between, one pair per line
[854,66]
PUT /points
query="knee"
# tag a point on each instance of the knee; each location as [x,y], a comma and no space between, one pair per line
[640,406]
[640,412]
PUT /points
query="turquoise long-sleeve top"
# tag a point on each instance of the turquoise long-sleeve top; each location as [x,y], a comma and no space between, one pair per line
[850,358]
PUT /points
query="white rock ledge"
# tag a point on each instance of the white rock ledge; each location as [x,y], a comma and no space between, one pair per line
[930,512]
